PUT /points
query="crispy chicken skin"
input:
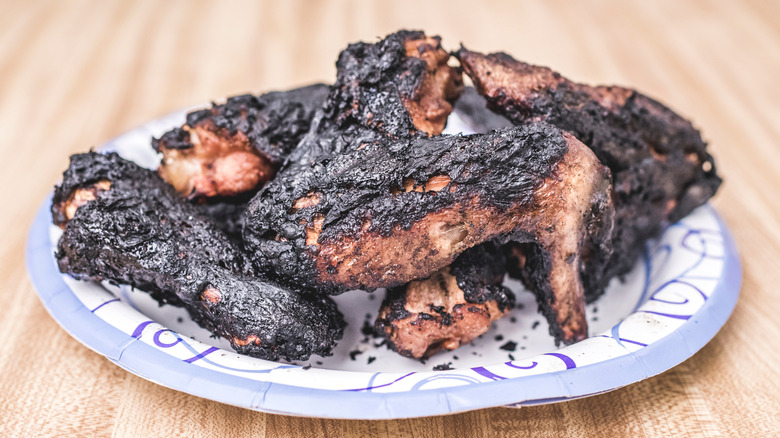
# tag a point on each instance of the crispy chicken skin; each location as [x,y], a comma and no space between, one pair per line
[390,212]
[237,146]
[448,309]
[659,163]
[139,231]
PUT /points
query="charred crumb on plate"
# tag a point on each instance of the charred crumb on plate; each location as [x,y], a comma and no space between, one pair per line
[509,346]
[443,367]
[354,353]
[370,360]
[368,328]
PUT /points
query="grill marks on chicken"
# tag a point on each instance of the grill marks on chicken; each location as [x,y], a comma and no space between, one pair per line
[237,146]
[430,103]
[370,227]
[140,232]
[659,163]
[448,309]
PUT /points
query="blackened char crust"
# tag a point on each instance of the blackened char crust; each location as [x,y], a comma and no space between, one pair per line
[659,163]
[142,233]
[390,212]
[448,309]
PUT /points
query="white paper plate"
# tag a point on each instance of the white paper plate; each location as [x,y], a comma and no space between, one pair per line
[672,303]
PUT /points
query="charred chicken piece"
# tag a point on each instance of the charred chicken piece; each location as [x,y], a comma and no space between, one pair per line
[399,87]
[448,309]
[659,163]
[237,146]
[135,229]
[390,212]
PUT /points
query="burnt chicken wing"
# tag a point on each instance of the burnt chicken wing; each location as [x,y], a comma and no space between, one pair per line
[237,146]
[390,212]
[448,309]
[399,87]
[124,224]
[659,163]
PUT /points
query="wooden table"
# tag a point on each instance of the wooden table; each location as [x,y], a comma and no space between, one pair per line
[74,74]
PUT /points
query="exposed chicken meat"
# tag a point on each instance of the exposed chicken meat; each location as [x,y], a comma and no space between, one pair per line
[237,146]
[448,309]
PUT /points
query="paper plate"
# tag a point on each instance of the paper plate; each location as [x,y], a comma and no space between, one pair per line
[671,304]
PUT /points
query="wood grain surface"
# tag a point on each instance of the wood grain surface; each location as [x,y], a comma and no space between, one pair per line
[73,74]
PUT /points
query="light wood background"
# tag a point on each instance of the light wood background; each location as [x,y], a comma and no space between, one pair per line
[73,74]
